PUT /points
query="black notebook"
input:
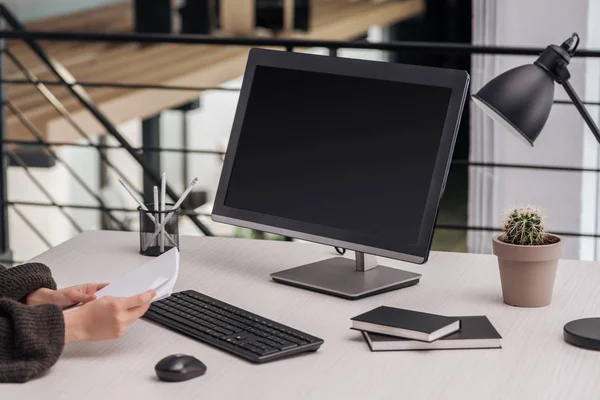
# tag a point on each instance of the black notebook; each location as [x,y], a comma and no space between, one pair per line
[476,332]
[406,324]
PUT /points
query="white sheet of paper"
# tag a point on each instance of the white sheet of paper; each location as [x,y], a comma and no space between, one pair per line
[170,266]
[159,274]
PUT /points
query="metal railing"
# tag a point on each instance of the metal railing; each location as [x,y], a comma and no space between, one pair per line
[77,90]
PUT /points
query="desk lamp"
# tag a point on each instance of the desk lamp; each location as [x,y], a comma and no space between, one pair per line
[520,99]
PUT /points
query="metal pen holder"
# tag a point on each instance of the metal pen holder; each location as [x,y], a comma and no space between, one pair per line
[159,230]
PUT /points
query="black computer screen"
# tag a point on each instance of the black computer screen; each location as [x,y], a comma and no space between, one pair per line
[350,153]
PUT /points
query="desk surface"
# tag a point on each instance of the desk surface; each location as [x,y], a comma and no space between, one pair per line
[535,362]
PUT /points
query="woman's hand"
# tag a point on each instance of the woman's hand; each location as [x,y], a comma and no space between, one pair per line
[66,297]
[106,318]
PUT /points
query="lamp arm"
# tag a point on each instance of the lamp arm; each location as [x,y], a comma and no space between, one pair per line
[582,110]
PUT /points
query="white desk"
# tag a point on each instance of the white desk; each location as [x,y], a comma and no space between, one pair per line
[535,362]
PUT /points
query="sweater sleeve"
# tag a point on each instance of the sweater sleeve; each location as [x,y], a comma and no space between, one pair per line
[31,339]
[19,281]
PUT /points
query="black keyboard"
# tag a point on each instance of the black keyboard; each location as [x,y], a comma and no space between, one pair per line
[229,328]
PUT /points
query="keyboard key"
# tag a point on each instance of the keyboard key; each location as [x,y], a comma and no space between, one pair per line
[158,304]
[292,339]
[232,328]
[265,349]
[270,343]
[282,344]
[214,333]
[259,333]
[214,327]
[158,310]
[253,349]
[209,313]
[221,324]
[269,330]
[187,322]
[224,324]
[239,319]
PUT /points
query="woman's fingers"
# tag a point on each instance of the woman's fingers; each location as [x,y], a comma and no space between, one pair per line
[139,311]
[138,300]
[99,286]
[77,296]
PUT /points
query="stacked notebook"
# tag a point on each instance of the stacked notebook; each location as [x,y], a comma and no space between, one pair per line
[388,328]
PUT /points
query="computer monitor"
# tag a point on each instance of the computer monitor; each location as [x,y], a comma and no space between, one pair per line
[343,152]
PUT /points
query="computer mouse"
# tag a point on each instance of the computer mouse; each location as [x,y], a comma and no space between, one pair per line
[179,368]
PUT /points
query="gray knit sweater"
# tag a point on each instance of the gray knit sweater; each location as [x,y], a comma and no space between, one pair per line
[31,337]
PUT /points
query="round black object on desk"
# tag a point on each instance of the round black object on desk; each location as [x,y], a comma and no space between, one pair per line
[583,333]
[179,368]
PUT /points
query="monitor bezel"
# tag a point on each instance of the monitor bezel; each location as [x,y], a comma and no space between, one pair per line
[456,80]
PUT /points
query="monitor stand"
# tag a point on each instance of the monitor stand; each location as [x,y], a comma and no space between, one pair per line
[347,278]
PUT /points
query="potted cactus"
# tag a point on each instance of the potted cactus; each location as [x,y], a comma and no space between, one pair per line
[527,257]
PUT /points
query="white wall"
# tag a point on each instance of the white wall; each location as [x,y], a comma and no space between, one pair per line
[590,217]
[57,181]
[532,23]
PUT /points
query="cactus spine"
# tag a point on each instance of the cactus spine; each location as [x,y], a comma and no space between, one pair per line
[524,226]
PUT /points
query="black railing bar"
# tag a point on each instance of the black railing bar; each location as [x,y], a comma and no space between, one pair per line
[587,103]
[85,100]
[470,228]
[62,110]
[455,48]
[568,102]
[220,153]
[32,227]
[142,86]
[89,207]
[123,85]
[23,142]
[35,132]
[460,162]
[491,229]
[17,159]
[191,212]
[523,166]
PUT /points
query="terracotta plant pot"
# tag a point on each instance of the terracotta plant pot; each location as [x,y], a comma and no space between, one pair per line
[527,273]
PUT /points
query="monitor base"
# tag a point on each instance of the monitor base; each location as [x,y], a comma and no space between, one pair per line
[340,277]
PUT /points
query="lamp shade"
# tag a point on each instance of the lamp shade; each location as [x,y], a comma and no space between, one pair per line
[520,99]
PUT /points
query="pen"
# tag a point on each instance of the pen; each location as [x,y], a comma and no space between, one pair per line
[142,206]
[163,207]
[185,194]
[156,208]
